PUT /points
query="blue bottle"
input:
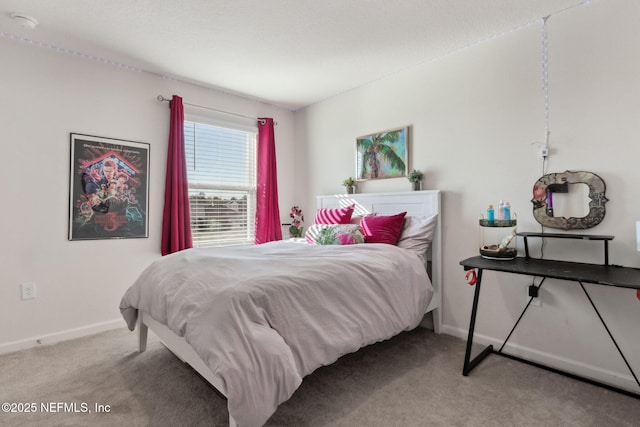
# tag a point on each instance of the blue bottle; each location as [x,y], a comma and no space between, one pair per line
[490,214]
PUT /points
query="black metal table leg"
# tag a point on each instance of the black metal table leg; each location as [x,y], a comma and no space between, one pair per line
[468,363]
[610,334]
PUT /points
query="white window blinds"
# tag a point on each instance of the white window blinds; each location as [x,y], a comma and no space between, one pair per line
[221,170]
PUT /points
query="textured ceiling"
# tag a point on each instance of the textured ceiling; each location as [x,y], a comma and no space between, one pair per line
[289,53]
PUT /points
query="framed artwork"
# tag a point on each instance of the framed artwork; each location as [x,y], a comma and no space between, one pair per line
[382,154]
[109,188]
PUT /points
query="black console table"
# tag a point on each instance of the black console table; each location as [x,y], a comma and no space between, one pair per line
[599,274]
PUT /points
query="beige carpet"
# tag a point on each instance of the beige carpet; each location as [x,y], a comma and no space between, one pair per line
[412,380]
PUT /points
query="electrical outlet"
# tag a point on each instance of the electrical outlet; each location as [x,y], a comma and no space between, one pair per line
[28,290]
[533,294]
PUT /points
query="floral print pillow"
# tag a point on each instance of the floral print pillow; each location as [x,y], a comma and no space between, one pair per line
[334,234]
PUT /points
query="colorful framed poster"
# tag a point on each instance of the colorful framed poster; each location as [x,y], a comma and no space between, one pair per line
[382,154]
[109,188]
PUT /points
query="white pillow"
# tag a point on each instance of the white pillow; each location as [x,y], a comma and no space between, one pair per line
[417,234]
[356,219]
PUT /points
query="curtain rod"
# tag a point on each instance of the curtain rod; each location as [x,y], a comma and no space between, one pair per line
[262,121]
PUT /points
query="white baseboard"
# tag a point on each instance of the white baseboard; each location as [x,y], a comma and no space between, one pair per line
[616,379]
[56,337]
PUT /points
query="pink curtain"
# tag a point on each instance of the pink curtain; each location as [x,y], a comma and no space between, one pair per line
[267,210]
[176,218]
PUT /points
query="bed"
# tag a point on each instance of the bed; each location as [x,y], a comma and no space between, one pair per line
[280,310]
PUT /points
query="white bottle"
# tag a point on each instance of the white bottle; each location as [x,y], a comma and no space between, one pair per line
[506,209]
[500,213]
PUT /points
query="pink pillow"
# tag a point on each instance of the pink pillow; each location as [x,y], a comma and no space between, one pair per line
[382,229]
[334,216]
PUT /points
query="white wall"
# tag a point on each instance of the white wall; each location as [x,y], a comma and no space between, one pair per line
[476,119]
[46,95]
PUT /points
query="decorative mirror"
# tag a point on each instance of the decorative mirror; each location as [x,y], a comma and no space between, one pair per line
[585,190]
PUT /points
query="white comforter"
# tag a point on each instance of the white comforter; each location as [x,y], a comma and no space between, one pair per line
[262,317]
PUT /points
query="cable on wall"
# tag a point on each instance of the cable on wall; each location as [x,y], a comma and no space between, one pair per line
[545,89]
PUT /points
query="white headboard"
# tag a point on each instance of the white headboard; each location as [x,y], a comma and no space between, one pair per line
[415,203]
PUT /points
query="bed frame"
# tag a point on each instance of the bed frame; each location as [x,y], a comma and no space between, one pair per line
[416,203]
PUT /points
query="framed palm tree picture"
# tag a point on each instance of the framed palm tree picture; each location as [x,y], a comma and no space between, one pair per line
[382,154]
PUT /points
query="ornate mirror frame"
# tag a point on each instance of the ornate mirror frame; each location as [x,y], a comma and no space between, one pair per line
[546,184]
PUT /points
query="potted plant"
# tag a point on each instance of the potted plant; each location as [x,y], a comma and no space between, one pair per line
[415,178]
[350,185]
[295,230]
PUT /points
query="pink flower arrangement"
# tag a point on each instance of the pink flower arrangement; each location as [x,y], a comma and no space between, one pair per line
[295,230]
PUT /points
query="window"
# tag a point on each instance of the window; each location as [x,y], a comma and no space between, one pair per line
[221,170]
